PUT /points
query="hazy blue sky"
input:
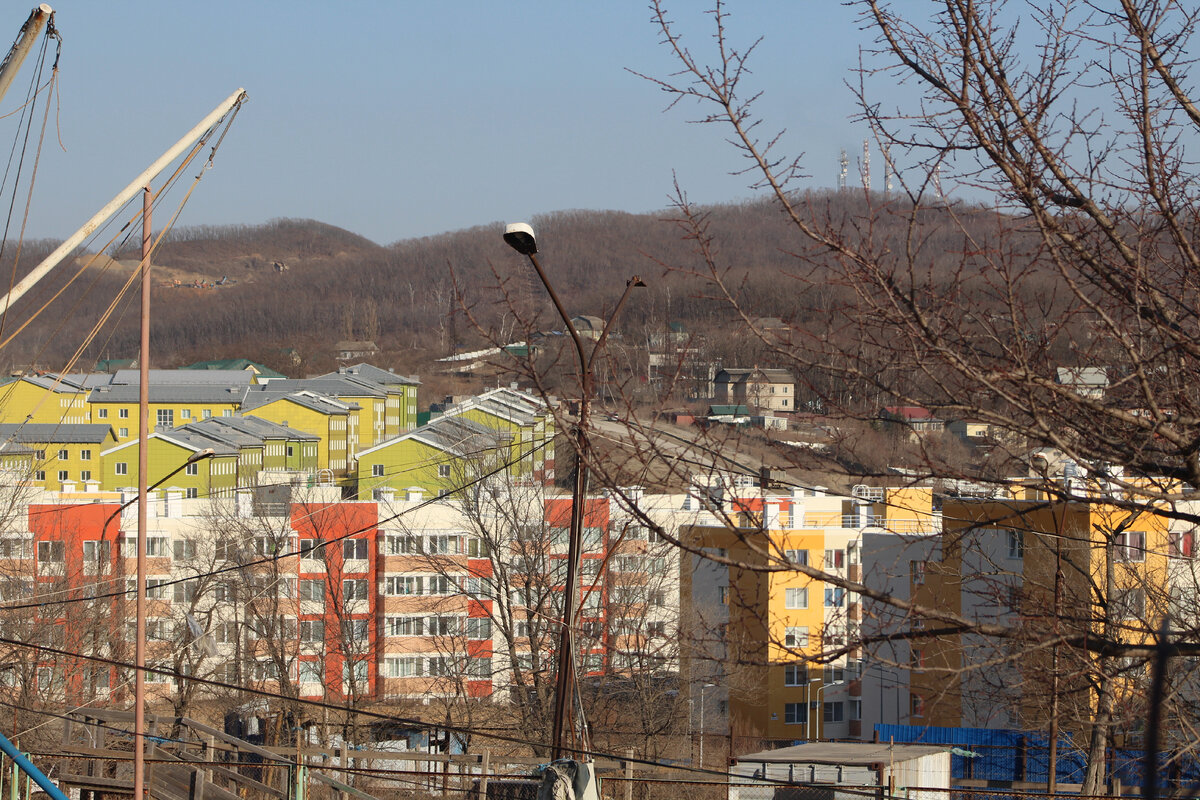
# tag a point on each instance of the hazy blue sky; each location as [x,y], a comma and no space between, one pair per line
[398,120]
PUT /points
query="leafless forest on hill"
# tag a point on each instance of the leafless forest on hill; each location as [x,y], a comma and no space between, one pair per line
[296,287]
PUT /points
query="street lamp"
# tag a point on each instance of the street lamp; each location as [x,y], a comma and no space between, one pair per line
[702,688]
[520,237]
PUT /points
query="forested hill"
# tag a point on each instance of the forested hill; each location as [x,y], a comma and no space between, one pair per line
[290,289]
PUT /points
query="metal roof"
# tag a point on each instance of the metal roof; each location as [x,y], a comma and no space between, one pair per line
[865,753]
[171,393]
[372,373]
[188,377]
[50,432]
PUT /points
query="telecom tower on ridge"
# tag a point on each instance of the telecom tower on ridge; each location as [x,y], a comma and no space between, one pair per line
[843,169]
[866,165]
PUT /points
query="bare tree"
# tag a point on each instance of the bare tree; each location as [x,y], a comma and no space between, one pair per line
[1056,309]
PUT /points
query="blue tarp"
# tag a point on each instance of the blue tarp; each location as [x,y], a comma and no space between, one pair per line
[1013,755]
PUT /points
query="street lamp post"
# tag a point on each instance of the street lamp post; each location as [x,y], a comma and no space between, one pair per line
[521,238]
[702,729]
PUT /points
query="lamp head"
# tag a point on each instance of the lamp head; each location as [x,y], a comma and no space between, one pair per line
[207,452]
[519,237]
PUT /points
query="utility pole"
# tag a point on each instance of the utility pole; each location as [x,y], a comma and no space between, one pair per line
[139,657]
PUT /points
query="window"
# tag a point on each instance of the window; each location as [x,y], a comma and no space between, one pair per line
[123,433]
[480,668]
[916,705]
[405,626]
[40,475]
[835,559]
[185,413]
[479,628]
[85,455]
[51,550]
[228,412]
[795,675]
[443,470]
[916,571]
[405,666]
[290,451]
[376,469]
[799,557]
[312,590]
[63,455]
[1130,604]
[1181,544]
[1016,544]
[795,637]
[85,475]
[357,630]
[192,469]
[833,674]
[96,554]
[123,413]
[1130,546]
[122,467]
[916,658]
[310,672]
[156,546]
[793,714]
[354,549]
[63,475]
[102,413]
[354,589]
[185,592]
[184,549]
[796,598]
[165,417]
[833,712]
[835,597]
[312,550]
[404,585]
[191,492]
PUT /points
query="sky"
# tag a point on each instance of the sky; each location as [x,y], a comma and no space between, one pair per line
[400,120]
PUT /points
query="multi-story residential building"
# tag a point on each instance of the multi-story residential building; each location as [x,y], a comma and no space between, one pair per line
[994,563]
[63,456]
[170,453]
[333,422]
[762,630]
[502,430]
[401,412]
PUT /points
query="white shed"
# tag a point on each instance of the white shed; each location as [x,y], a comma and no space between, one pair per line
[823,767]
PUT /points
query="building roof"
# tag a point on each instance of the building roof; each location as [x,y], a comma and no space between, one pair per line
[263,428]
[338,386]
[236,364]
[451,434]
[188,377]
[265,395]
[864,753]
[740,374]
[365,345]
[373,373]
[50,432]
[171,393]
[728,411]
[185,439]
[908,412]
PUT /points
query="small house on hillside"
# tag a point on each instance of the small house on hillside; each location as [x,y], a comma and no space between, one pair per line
[764,389]
[361,349]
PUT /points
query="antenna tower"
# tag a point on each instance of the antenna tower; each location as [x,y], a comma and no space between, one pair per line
[866,165]
[888,170]
[843,168]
